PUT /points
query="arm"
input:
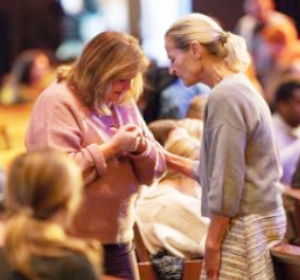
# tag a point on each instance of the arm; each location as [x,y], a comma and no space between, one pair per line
[148,159]
[216,233]
[60,124]
[182,164]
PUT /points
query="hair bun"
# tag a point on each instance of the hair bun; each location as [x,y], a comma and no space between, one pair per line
[223,37]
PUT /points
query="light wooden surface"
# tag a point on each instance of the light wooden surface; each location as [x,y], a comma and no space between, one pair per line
[14,120]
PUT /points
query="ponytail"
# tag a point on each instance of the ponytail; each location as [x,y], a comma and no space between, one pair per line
[238,58]
[16,243]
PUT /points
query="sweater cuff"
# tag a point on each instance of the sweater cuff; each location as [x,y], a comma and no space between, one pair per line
[196,168]
[98,158]
[143,154]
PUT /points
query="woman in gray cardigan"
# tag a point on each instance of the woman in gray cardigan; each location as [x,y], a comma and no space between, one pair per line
[239,169]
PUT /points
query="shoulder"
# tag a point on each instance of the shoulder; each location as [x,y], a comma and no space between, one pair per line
[55,93]
[57,97]
[232,90]
[234,101]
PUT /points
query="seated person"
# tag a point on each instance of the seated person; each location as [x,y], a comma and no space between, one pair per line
[31,73]
[175,99]
[163,127]
[168,215]
[44,190]
[194,127]
[196,107]
[286,121]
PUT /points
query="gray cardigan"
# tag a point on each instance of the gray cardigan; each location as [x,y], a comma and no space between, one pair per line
[239,166]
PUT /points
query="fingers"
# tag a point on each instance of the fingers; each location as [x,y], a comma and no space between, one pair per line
[130,138]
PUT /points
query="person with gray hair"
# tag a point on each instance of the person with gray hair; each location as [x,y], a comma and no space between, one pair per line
[239,169]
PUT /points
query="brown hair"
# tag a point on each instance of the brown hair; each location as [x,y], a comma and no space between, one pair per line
[40,185]
[107,56]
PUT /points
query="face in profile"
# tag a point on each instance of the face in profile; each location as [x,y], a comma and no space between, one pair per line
[183,63]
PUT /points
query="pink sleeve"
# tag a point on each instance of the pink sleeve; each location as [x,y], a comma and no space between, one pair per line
[150,164]
[56,124]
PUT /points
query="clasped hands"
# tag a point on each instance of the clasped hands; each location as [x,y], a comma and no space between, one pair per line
[129,139]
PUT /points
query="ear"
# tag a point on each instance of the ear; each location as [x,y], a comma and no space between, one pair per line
[196,50]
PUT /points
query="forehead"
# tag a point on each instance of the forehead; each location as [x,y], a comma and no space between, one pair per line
[170,44]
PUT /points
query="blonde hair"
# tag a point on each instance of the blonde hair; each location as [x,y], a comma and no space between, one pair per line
[161,128]
[108,56]
[203,29]
[194,127]
[185,146]
[196,107]
[40,185]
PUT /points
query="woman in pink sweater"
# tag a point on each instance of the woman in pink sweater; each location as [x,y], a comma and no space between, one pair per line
[89,112]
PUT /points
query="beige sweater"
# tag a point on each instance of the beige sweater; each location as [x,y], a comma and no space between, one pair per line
[59,120]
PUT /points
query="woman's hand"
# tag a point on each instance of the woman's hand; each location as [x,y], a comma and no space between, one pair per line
[181,164]
[212,259]
[128,138]
[216,233]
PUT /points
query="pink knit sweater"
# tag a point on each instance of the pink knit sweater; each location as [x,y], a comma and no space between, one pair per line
[59,120]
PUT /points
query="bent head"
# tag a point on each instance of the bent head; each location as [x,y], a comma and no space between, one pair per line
[196,42]
[107,68]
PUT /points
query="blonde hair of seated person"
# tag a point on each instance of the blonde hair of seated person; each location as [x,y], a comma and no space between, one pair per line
[182,144]
[194,127]
[196,107]
[43,193]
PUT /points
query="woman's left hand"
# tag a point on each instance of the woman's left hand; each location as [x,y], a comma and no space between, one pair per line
[212,261]
[216,233]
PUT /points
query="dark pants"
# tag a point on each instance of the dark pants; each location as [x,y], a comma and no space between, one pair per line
[120,261]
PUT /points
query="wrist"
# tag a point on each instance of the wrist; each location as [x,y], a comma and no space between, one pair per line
[113,147]
[212,247]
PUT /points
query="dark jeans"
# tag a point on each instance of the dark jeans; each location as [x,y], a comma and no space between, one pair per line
[120,261]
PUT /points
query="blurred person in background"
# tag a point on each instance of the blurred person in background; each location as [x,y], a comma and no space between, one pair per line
[175,99]
[31,73]
[266,32]
[286,123]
